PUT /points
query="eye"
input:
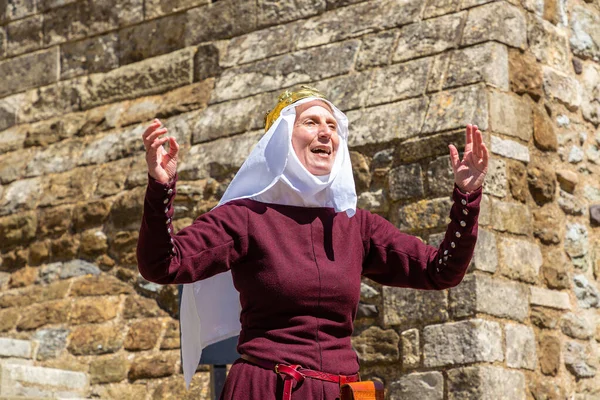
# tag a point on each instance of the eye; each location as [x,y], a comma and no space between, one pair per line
[332,127]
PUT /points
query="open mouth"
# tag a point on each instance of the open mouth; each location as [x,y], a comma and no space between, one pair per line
[321,150]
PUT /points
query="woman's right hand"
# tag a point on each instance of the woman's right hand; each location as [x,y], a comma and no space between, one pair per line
[162,165]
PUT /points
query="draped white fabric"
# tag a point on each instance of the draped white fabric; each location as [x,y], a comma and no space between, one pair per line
[272,173]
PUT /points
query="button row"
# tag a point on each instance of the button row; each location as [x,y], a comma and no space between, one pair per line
[443,259]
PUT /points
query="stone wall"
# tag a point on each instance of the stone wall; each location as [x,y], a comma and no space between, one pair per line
[81,80]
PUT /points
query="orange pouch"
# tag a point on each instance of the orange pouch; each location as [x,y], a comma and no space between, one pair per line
[363,390]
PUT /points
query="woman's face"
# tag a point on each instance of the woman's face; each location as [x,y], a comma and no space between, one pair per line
[315,139]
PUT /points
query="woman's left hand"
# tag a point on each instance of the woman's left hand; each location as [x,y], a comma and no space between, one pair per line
[469,173]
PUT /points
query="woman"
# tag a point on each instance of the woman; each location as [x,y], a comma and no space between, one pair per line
[288,231]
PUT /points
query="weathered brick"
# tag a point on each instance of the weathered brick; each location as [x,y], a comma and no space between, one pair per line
[260,44]
[487,62]
[50,101]
[453,109]
[440,177]
[29,71]
[283,71]
[220,20]
[376,345]
[108,369]
[272,12]
[511,217]
[485,382]
[406,307]
[399,81]
[143,335]
[91,214]
[497,21]
[562,88]
[18,229]
[411,349]
[484,294]
[95,339]
[345,91]
[24,36]
[510,115]
[150,76]
[153,366]
[428,37]
[520,259]
[38,315]
[98,54]
[16,348]
[99,285]
[384,123]
[51,342]
[67,23]
[520,346]
[510,149]
[436,8]
[376,49]
[92,310]
[462,342]
[158,8]
[425,386]
[366,17]
[425,214]
[27,379]
[152,38]
[549,298]
[485,256]
[405,182]
[68,187]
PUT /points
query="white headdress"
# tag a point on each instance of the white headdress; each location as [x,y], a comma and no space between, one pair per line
[210,308]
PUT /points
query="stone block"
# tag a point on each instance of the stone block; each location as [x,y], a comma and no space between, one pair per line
[520,346]
[67,23]
[576,326]
[20,195]
[376,49]
[576,240]
[287,70]
[548,43]
[438,72]
[376,345]
[113,146]
[91,214]
[425,214]
[425,386]
[221,20]
[98,54]
[51,101]
[143,335]
[8,319]
[525,74]
[24,36]
[556,270]
[542,183]
[405,182]
[428,37]
[411,349]
[590,106]
[549,298]
[485,382]
[485,256]
[12,139]
[497,21]
[51,342]
[174,387]
[487,62]
[8,117]
[585,32]
[381,124]
[23,277]
[29,71]
[510,149]
[68,187]
[462,342]
[38,315]
[16,9]
[27,381]
[17,229]
[108,15]
[549,354]
[108,369]
[260,44]
[95,339]
[273,12]
[225,119]
[346,92]
[399,81]
[171,338]
[92,310]
[56,158]
[586,292]
[152,38]
[16,348]
[355,20]
[510,115]
[153,366]
[454,109]
[154,75]
[520,259]
[579,360]
[440,177]
[100,285]
[484,294]
[562,88]
[544,135]
[158,8]
[496,182]
[405,307]
[511,217]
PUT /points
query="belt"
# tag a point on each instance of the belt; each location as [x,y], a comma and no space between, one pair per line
[296,374]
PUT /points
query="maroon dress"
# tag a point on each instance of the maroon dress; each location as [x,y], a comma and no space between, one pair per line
[298,271]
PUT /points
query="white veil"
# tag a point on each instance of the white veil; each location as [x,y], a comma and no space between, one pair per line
[210,308]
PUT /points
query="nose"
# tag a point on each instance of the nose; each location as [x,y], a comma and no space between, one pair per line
[325,131]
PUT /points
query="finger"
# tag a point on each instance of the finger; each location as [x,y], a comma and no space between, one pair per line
[485,156]
[156,134]
[159,142]
[454,159]
[477,142]
[151,128]
[173,147]
[469,135]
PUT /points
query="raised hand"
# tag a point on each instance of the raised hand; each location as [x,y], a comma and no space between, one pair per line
[162,165]
[470,173]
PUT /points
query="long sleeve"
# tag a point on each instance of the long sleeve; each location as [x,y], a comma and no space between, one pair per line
[210,245]
[396,259]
